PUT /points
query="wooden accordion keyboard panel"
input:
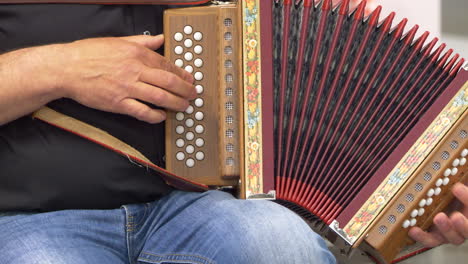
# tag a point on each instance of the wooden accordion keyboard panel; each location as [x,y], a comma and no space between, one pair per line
[427,193]
[203,143]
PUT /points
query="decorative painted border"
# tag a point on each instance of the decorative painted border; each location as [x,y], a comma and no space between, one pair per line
[253,182]
[408,164]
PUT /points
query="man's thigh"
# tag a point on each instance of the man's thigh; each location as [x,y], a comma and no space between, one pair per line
[213,227]
[71,237]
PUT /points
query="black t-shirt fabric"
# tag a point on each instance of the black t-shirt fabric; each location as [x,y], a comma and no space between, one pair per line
[43,168]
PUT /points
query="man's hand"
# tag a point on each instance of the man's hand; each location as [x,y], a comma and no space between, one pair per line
[453,229]
[116,74]
[110,74]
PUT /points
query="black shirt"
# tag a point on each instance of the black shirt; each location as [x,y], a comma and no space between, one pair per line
[45,168]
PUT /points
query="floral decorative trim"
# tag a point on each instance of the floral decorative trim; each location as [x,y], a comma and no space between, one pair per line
[253,182]
[408,164]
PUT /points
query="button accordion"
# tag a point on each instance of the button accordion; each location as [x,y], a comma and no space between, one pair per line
[356,126]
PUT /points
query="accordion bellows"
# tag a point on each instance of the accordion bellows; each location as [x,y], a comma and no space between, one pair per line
[348,90]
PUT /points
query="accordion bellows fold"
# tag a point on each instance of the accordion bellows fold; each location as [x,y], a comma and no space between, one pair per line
[349,90]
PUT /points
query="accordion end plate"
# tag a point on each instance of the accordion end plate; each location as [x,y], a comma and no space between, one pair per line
[271,195]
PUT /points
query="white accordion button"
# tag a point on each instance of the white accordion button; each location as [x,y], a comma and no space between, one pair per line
[437,191]
[180,142]
[198,62]
[198,102]
[190,136]
[179,116]
[199,129]
[190,163]
[413,222]
[454,171]
[198,36]
[462,161]
[198,49]
[178,36]
[190,149]
[189,69]
[447,172]
[406,224]
[456,162]
[199,116]
[199,142]
[189,122]
[414,213]
[422,203]
[439,182]
[180,156]
[200,155]
[189,109]
[179,130]
[429,201]
[188,43]
[430,193]
[198,76]
[446,181]
[179,63]
[464,152]
[188,30]
[188,56]
[421,211]
[199,88]
[178,50]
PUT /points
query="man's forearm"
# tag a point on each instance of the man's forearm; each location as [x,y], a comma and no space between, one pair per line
[29,79]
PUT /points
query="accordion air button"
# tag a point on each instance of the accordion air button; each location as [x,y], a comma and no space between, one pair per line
[414,213]
[198,76]
[188,56]
[464,153]
[199,88]
[190,149]
[190,163]
[454,171]
[189,122]
[178,50]
[198,36]
[437,191]
[189,69]
[198,63]
[422,203]
[446,181]
[198,102]
[180,116]
[190,136]
[429,201]
[180,142]
[188,43]
[188,30]
[430,193]
[200,155]
[406,224]
[421,211]
[439,182]
[178,36]
[199,129]
[180,129]
[456,162]
[189,109]
[462,161]
[199,116]
[180,156]
[413,222]
[447,172]
[199,142]
[179,63]
[198,49]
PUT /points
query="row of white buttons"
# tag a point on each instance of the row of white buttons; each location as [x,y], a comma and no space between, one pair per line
[447,173]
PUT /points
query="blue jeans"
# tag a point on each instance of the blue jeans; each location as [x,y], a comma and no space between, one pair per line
[210,227]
